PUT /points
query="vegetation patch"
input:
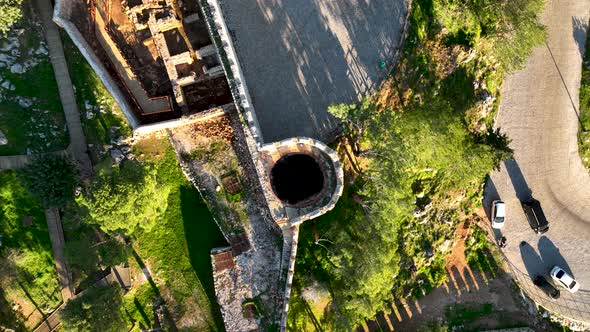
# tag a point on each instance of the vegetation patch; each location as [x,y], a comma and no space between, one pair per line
[419,152]
[208,149]
[98,309]
[150,203]
[28,280]
[584,132]
[31,115]
[480,253]
[178,247]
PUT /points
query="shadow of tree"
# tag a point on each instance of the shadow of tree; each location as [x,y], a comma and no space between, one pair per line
[532,261]
[523,192]
[551,256]
[10,319]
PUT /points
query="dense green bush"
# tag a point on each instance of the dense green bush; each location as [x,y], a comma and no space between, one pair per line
[83,254]
[506,29]
[50,178]
[11,12]
[126,197]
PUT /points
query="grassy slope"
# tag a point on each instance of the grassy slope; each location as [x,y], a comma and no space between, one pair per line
[28,273]
[177,249]
[38,82]
[584,135]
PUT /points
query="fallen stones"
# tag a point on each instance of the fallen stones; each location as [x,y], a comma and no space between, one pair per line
[8,85]
[3,139]
[17,68]
[117,155]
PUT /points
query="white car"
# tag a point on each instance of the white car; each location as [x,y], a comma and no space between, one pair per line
[498,214]
[561,277]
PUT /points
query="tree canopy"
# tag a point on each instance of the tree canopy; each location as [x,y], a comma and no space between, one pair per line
[126,197]
[11,12]
[424,146]
[50,178]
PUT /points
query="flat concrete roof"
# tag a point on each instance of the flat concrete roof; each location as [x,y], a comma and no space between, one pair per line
[298,57]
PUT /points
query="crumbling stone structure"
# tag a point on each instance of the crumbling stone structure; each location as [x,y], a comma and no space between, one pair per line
[146,60]
[202,76]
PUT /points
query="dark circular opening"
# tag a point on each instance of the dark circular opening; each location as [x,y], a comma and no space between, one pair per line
[296,177]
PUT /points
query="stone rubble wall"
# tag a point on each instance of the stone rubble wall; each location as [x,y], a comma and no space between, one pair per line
[290,241]
[183,121]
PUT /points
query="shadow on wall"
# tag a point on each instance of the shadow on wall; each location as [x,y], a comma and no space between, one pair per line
[326,52]
[202,235]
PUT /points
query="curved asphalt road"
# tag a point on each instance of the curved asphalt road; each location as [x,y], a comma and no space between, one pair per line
[539,112]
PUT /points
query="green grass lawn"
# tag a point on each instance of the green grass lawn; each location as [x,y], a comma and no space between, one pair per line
[177,249]
[27,273]
[39,127]
[98,110]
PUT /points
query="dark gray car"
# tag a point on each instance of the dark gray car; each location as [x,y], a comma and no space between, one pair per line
[546,286]
[535,216]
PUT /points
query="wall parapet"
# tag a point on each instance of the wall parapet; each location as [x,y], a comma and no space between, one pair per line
[231,66]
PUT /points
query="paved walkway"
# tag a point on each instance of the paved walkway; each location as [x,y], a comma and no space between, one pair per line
[78,147]
[13,162]
[539,113]
[56,235]
[64,275]
[19,161]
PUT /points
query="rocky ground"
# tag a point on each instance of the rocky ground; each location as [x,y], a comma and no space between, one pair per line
[31,117]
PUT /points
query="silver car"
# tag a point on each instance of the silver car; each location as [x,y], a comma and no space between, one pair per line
[498,214]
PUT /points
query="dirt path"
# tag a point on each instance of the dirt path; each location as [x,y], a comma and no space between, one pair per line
[56,235]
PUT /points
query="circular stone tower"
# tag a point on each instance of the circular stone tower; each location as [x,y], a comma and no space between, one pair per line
[304,177]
